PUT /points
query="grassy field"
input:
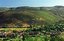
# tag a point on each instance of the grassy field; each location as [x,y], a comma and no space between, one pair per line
[47,15]
[6,29]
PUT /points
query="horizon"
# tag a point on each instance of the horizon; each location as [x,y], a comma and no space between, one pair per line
[31,3]
[31,6]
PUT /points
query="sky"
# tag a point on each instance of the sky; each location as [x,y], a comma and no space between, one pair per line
[32,3]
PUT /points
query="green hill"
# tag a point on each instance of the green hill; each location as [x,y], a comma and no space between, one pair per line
[29,15]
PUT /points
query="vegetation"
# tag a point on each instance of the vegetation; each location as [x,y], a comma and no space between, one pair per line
[32,24]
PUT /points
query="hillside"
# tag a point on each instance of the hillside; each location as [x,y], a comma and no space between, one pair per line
[16,17]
